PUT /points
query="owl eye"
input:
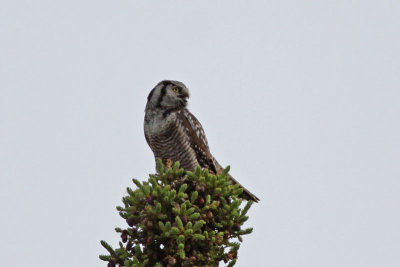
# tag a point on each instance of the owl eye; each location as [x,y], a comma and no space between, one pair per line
[175,89]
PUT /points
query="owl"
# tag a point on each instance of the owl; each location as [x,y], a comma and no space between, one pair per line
[173,133]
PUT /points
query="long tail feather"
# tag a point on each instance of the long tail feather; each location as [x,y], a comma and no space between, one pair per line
[246,193]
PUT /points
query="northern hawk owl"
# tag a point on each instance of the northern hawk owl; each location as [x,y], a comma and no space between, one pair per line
[174,133]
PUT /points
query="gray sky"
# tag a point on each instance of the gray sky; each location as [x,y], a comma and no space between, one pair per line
[301,98]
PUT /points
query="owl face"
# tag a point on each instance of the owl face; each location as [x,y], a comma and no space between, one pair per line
[168,95]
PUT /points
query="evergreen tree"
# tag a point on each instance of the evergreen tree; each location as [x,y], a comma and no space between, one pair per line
[178,218]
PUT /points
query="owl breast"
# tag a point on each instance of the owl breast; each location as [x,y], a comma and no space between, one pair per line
[168,139]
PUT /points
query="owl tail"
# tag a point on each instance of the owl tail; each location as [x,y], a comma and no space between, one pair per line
[246,193]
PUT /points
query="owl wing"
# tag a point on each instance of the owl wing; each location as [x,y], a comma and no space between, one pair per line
[199,144]
[197,139]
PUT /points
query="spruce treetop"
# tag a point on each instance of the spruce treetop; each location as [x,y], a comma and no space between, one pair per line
[179,218]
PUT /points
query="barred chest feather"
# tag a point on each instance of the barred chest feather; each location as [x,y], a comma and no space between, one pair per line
[168,139]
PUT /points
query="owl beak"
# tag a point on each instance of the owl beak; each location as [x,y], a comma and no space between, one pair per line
[184,94]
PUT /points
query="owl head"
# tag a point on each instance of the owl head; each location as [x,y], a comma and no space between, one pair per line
[168,95]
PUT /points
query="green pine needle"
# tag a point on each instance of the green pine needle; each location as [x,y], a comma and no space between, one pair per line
[179,218]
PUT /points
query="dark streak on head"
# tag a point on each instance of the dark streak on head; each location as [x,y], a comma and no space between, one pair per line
[163,92]
[150,95]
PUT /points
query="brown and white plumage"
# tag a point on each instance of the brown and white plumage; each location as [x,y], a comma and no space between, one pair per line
[174,133]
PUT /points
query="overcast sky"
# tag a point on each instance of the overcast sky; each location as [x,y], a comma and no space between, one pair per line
[301,98]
